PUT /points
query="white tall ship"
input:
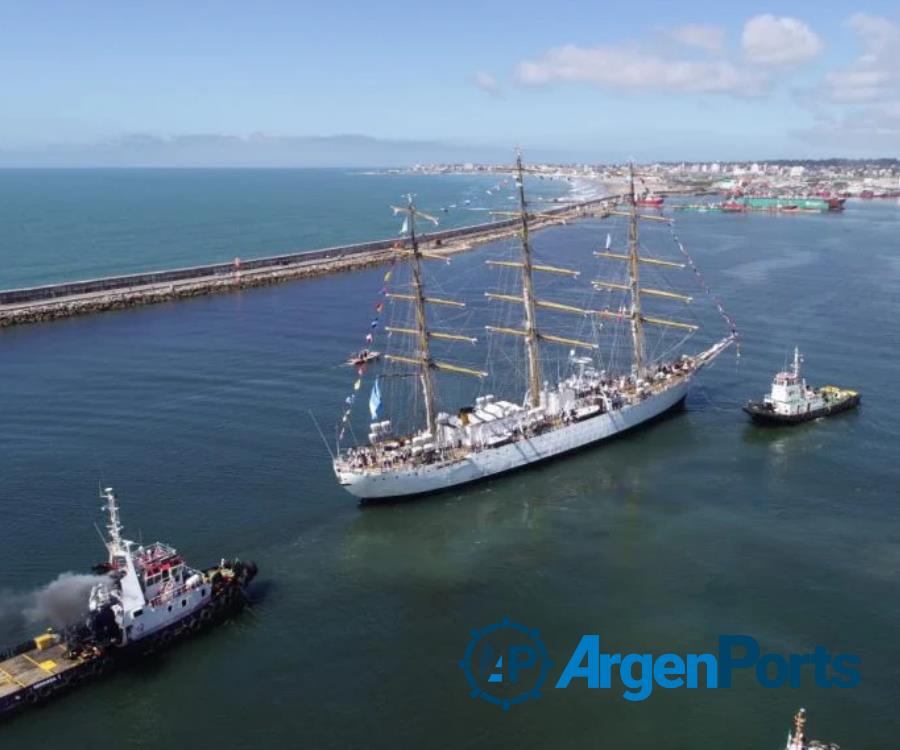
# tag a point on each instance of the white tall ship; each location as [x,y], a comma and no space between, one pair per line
[495,435]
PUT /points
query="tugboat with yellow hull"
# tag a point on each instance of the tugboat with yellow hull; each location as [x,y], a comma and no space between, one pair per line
[146,599]
[792,401]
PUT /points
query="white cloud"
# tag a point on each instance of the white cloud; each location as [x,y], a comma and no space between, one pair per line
[857,85]
[487,83]
[783,41]
[879,34]
[875,74]
[872,129]
[860,103]
[633,69]
[700,35]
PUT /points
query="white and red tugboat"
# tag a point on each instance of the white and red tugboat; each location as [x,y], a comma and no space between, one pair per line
[797,736]
[149,598]
[792,401]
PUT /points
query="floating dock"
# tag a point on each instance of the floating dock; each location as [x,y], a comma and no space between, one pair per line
[65,300]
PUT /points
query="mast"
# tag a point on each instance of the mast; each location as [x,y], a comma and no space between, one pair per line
[797,737]
[531,333]
[426,362]
[637,327]
[114,527]
[423,335]
[529,302]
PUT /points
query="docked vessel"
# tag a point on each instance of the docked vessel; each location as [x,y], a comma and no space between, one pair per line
[650,200]
[791,400]
[781,204]
[699,207]
[496,435]
[797,739]
[147,598]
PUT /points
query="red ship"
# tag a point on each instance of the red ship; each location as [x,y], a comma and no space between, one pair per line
[651,201]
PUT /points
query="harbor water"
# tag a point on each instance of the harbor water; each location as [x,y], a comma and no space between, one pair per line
[660,541]
[63,225]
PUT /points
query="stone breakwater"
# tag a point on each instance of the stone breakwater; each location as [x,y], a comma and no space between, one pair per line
[53,302]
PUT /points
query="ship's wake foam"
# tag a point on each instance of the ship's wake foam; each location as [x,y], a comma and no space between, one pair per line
[58,603]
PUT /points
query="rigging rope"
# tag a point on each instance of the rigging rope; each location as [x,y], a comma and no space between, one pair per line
[708,292]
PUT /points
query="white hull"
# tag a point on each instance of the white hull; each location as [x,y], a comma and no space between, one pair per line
[170,612]
[397,482]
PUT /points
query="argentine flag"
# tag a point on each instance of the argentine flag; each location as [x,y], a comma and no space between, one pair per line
[375,401]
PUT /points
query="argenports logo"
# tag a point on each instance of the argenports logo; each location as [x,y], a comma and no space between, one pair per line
[507,664]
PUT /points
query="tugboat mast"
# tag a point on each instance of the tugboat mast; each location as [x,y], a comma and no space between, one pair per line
[531,333]
[637,320]
[114,527]
[797,737]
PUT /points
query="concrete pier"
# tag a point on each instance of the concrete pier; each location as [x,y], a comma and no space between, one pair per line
[55,301]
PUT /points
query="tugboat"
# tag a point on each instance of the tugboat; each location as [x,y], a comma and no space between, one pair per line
[792,401]
[148,598]
[797,736]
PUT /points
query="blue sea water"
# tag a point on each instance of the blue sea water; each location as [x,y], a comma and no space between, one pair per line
[197,412]
[60,225]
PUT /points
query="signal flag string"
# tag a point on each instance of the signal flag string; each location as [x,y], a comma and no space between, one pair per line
[708,292]
[369,340]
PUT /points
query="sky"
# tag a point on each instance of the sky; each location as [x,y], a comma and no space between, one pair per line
[298,83]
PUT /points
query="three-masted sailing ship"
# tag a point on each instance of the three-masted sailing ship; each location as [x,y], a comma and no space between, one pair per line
[494,436]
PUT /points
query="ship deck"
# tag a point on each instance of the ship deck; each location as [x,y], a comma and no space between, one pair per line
[30,668]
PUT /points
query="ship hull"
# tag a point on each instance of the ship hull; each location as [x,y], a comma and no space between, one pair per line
[763,416]
[426,479]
